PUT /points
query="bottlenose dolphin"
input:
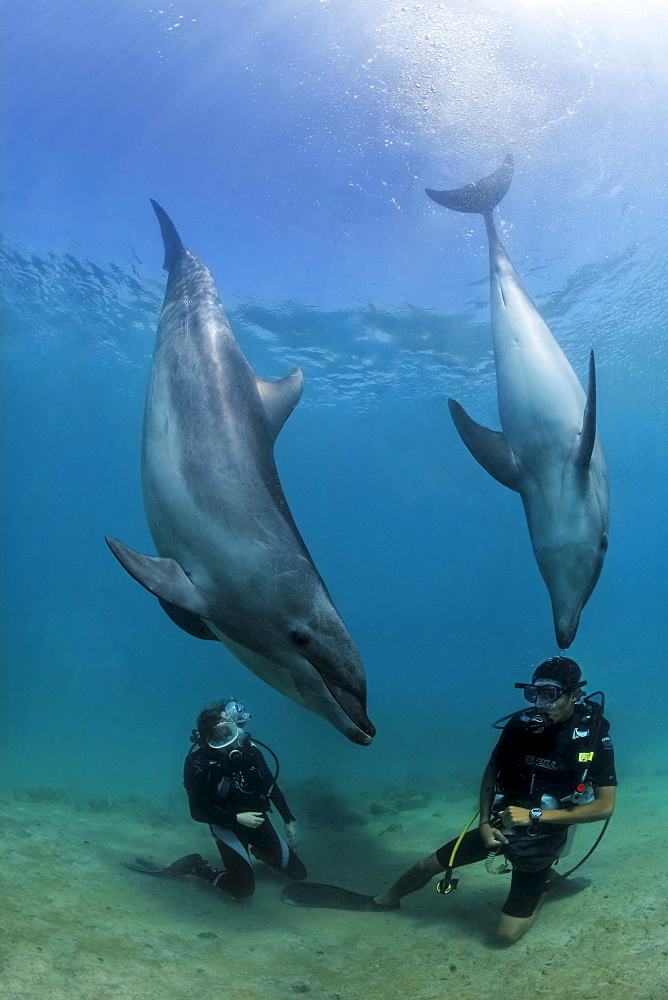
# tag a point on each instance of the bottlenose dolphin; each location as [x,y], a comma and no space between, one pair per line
[549,450]
[231,563]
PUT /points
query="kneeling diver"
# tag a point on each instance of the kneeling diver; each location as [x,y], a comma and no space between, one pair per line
[552,768]
[544,763]
[231,788]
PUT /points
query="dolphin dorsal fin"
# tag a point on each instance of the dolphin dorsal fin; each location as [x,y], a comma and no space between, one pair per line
[280,398]
[491,449]
[588,435]
[170,238]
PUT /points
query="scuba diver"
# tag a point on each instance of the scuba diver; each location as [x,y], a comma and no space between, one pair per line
[231,787]
[553,767]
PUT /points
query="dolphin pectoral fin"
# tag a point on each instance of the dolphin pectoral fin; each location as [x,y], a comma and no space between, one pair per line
[490,448]
[162,577]
[588,435]
[280,398]
[192,624]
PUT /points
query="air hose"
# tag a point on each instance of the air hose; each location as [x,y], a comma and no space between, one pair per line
[448,883]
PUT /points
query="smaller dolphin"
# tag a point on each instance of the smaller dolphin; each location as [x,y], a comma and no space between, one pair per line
[548,450]
[231,563]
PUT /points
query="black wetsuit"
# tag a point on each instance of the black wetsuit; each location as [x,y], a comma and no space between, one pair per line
[528,766]
[218,789]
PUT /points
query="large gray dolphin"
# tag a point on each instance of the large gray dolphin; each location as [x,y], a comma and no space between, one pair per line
[232,565]
[548,451]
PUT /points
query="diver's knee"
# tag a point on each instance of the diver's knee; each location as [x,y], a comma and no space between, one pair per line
[429,865]
[506,937]
[510,930]
[243,891]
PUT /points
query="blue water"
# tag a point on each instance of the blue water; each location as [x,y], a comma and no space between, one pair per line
[291,143]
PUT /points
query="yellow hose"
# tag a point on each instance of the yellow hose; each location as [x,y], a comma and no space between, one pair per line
[461,837]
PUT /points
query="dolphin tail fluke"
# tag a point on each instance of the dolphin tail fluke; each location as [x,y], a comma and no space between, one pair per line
[280,398]
[588,436]
[481,196]
[163,578]
[171,239]
[490,448]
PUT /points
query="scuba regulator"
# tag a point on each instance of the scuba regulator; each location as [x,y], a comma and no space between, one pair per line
[234,756]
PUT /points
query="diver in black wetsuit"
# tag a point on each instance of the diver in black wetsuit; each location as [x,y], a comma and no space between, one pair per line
[529,796]
[231,787]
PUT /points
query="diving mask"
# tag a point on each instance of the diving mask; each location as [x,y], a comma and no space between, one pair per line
[543,692]
[224,734]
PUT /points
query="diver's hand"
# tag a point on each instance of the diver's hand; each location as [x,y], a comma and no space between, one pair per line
[491,837]
[515,816]
[291,833]
[251,820]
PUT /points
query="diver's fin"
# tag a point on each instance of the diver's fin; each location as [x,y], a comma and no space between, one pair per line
[490,448]
[171,239]
[147,867]
[182,866]
[162,577]
[331,897]
[280,398]
[192,624]
[588,435]
[479,197]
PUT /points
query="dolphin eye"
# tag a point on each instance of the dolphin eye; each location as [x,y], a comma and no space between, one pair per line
[604,543]
[299,638]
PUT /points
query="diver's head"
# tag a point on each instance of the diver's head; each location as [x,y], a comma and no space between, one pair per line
[221,726]
[555,687]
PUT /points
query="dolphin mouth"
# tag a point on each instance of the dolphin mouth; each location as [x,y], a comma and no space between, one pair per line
[351,704]
[565,636]
[565,631]
[359,729]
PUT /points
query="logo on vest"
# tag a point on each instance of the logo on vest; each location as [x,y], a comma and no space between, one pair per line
[541,762]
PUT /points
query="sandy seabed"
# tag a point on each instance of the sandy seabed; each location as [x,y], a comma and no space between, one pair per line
[76,924]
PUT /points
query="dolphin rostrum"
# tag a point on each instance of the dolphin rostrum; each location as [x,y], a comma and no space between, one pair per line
[231,564]
[548,450]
